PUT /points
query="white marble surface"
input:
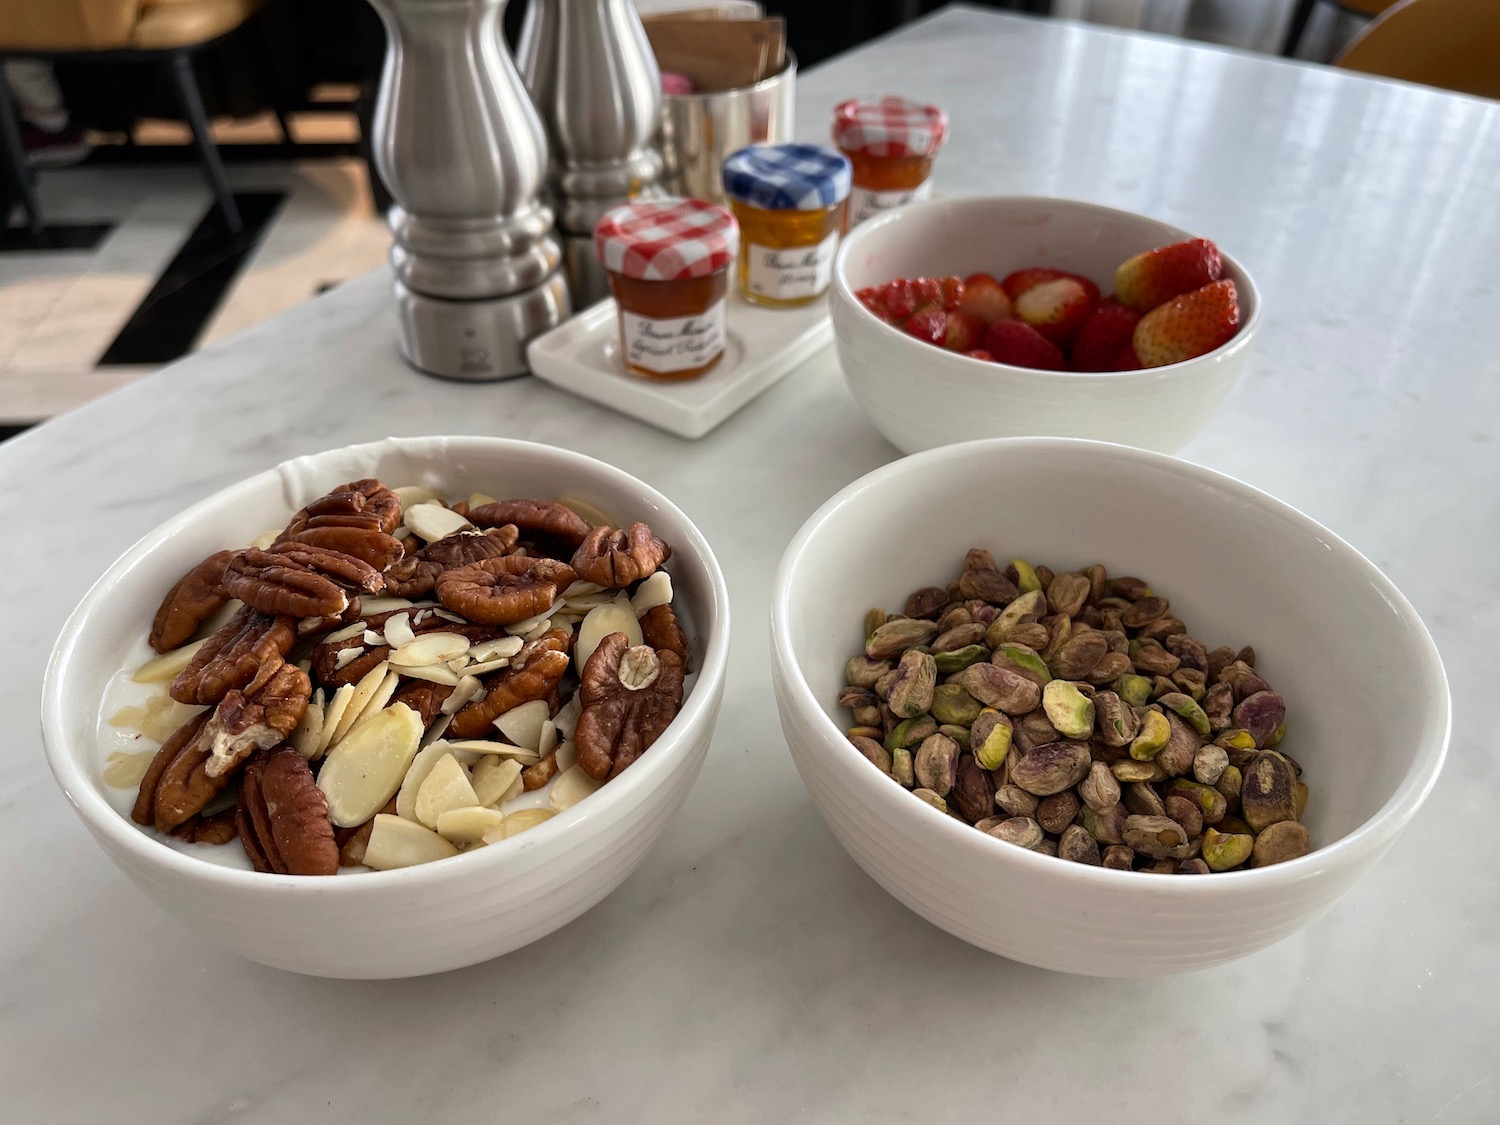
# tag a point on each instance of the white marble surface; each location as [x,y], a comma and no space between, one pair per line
[749,971]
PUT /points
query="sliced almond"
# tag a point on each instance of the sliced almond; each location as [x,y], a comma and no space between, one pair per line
[522,819]
[571,786]
[430,648]
[125,768]
[449,615]
[130,718]
[493,777]
[364,691]
[479,500]
[500,646]
[594,514]
[468,825]
[347,657]
[484,668]
[567,754]
[164,716]
[401,843]
[489,747]
[548,740]
[365,770]
[582,605]
[600,623]
[523,724]
[374,639]
[468,688]
[539,629]
[437,730]
[167,665]
[530,625]
[566,719]
[446,787]
[433,521]
[308,736]
[581,589]
[347,633]
[398,632]
[434,673]
[371,606]
[337,705]
[412,494]
[416,773]
[376,702]
[264,540]
[655,591]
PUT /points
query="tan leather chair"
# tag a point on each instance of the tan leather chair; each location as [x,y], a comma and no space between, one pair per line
[165,31]
[1304,9]
[1454,44]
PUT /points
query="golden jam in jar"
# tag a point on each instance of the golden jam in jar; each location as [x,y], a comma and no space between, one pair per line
[891,143]
[668,264]
[791,201]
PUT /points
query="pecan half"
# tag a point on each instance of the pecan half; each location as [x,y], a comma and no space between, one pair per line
[217,829]
[538,774]
[299,580]
[244,723]
[415,575]
[244,654]
[326,656]
[533,674]
[144,811]
[534,518]
[361,503]
[660,630]
[502,591]
[629,697]
[198,595]
[368,544]
[424,697]
[614,558]
[283,817]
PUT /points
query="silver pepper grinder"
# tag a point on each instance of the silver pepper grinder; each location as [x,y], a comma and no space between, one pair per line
[594,78]
[463,152]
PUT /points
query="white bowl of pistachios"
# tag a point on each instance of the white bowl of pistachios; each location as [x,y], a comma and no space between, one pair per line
[393,676]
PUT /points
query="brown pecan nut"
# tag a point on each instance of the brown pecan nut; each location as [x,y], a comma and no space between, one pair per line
[361,503]
[217,829]
[502,591]
[660,630]
[614,559]
[325,657]
[368,544]
[533,674]
[629,696]
[283,817]
[299,580]
[534,518]
[415,575]
[538,774]
[198,595]
[244,654]
[144,811]
[424,697]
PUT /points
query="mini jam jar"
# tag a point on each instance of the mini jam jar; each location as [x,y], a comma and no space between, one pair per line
[791,201]
[891,143]
[668,264]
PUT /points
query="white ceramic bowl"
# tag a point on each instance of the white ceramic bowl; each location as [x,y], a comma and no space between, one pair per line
[1367,701]
[420,919]
[920,396]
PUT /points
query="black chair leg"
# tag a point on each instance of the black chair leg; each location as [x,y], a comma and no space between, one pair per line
[1300,15]
[213,166]
[15,162]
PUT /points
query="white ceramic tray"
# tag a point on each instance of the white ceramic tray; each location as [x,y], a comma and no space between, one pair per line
[582,355]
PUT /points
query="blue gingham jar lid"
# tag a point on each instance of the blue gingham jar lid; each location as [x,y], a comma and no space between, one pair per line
[787,177]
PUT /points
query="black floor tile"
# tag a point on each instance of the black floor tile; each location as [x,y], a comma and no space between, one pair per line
[70,236]
[170,319]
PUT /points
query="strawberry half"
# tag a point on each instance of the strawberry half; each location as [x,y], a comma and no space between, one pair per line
[1127,360]
[964,331]
[1017,283]
[1058,309]
[1019,344]
[985,298]
[1103,335]
[1156,276]
[1187,326]
[980,353]
[873,298]
[928,325]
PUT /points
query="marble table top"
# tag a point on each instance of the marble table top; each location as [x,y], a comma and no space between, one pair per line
[749,971]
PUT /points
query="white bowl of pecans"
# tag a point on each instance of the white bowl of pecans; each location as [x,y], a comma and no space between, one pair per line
[1178,745]
[402,707]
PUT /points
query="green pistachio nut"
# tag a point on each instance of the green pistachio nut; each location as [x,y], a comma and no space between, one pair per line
[1224,851]
[952,704]
[1024,660]
[1127,770]
[910,732]
[931,798]
[989,738]
[1187,708]
[894,637]
[956,660]
[1277,735]
[1068,709]
[901,767]
[1026,580]
[1134,690]
[1154,735]
[1284,840]
[874,619]
[1210,801]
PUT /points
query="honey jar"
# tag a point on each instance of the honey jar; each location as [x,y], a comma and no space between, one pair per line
[891,143]
[668,264]
[790,200]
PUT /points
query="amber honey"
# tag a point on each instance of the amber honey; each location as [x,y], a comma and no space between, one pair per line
[786,257]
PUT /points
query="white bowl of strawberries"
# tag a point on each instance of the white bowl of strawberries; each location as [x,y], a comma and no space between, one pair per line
[1009,316]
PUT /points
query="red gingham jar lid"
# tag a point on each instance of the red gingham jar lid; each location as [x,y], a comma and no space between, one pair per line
[667,239]
[889,126]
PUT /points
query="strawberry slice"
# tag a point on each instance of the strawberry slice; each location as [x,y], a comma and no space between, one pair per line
[1156,276]
[952,292]
[980,353]
[985,298]
[1019,344]
[1017,283]
[1103,335]
[1058,309]
[964,331]
[1187,326]
[1127,360]
[928,325]
[873,298]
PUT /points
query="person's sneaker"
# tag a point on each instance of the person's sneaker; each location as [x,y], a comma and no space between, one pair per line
[46,149]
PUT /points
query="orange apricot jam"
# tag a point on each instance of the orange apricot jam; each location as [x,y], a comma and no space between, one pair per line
[891,143]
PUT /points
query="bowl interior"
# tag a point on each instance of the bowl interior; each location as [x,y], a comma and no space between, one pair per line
[1366,695]
[107,630]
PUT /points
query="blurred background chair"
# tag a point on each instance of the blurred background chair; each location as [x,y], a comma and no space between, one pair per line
[165,32]
[1452,44]
[1304,10]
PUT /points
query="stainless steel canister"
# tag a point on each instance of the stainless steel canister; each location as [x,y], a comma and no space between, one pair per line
[699,130]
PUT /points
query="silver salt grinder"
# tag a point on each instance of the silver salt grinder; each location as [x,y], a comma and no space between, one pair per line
[463,152]
[593,77]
